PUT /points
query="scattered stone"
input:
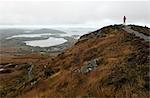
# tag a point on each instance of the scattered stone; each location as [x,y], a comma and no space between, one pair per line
[7,65]
[10,65]
[3,71]
[33,82]
[30,72]
[76,70]
[89,66]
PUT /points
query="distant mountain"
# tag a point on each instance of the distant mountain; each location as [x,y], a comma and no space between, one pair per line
[45,30]
[10,32]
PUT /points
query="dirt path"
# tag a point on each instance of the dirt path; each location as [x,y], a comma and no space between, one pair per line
[141,35]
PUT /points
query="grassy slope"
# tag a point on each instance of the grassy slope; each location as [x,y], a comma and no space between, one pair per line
[122,70]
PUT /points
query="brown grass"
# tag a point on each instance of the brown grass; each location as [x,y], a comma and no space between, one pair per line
[122,72]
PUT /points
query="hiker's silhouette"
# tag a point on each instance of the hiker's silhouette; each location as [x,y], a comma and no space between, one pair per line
[124,20]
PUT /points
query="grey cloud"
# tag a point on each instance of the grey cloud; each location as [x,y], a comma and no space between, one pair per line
[72,13]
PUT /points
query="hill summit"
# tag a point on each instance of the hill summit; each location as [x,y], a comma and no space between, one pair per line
[112,61]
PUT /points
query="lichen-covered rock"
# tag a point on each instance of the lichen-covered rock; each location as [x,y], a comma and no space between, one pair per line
[89,66]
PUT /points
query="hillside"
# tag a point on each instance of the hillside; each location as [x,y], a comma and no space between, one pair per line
[109,62]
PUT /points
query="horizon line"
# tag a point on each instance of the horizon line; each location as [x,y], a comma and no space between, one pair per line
[66,26]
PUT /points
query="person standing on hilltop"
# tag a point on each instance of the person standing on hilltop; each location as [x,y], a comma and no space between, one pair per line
[124,20]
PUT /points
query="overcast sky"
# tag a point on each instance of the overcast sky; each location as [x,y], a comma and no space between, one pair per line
[73,13]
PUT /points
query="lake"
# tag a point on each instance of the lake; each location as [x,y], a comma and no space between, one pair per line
[74,33]
[51,41]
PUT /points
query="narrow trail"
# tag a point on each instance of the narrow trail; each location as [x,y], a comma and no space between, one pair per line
[141,35]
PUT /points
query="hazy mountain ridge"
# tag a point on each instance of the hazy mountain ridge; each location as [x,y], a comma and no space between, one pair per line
[9,32]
